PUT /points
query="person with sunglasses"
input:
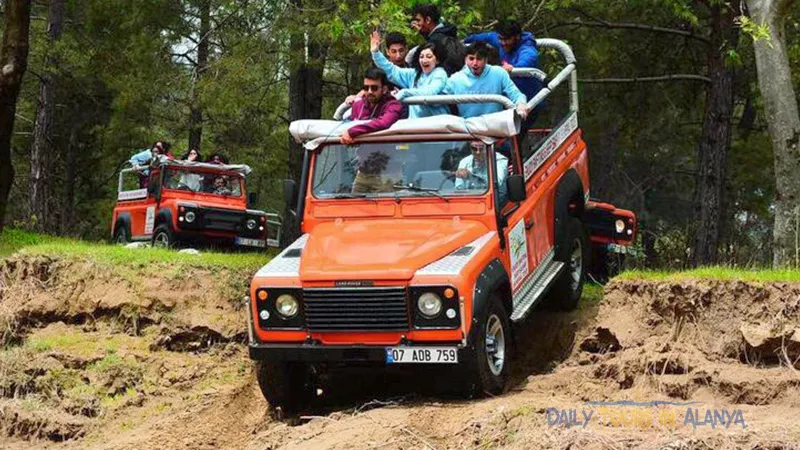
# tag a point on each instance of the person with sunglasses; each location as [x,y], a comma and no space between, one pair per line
[376,105]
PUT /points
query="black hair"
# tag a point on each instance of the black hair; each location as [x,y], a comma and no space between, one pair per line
[427,10]
[479,49]
[395,38]
[222,158]
[167,146]
[508,28]
[199,156]
[374,73]
[429,46]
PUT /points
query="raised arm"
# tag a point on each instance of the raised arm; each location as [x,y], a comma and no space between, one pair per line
[396,75]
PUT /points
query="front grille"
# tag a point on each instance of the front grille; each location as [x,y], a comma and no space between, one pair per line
[356,309]
[222,220]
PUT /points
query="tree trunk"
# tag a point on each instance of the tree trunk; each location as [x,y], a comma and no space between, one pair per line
[783,123]
[196,111]
[714,143]
[68,202]
[42,148]
[305,102]
[14,63]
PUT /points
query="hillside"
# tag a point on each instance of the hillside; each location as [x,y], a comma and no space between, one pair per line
[111,348]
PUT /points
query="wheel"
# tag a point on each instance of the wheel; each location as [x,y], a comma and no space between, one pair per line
[121,235]
[162,237]
[285,385]
[566,291]
[489,369]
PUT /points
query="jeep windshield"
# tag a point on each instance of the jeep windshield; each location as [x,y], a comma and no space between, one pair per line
[221,183]
[409,169]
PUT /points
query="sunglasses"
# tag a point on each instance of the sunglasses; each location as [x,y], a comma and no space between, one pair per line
[371,88]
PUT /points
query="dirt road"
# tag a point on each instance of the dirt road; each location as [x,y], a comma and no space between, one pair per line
[99,359]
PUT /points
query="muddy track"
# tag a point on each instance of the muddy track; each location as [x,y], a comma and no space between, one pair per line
[101,359]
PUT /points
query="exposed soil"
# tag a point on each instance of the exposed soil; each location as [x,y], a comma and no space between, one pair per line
[153,358]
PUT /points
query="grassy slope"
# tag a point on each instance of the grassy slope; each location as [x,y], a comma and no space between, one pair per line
[12,241]
[716,273]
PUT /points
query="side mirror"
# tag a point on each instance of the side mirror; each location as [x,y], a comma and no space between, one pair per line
[515,185]
[290,194]
[252,199]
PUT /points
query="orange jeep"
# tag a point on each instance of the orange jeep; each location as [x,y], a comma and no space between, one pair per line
[424,242]
[187,201]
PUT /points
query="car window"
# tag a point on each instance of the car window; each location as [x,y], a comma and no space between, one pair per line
[202,182]
[401,170]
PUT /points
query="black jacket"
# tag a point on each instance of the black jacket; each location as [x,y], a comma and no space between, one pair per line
[450,48]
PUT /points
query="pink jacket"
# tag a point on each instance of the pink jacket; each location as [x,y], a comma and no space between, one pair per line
[384,115]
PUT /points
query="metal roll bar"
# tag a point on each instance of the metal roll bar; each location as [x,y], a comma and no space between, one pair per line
[568,71]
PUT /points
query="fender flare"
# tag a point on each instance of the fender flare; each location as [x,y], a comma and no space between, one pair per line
[123,219]
[570,188]
[493,278]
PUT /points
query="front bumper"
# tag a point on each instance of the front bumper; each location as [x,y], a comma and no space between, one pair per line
[313,352]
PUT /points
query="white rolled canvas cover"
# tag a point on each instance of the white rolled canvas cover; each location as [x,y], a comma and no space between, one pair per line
[242,169]
[313,133]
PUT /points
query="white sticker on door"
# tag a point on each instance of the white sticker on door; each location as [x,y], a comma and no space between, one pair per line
[150,220]
[519,254]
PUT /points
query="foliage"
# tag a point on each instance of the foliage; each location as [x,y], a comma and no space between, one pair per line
[127,77]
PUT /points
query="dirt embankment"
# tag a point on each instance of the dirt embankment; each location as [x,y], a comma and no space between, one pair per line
[153,358]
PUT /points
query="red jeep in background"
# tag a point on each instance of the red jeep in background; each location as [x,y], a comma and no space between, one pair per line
[191,202]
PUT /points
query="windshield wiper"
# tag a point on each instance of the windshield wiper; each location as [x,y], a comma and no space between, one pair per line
[414,188]
[347,195]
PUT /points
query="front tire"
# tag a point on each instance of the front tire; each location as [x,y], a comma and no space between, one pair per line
[163,237]
[285,385]
[121,235]
[490,365]
[566,291]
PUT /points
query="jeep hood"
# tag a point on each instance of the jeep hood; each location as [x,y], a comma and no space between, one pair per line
[381,249]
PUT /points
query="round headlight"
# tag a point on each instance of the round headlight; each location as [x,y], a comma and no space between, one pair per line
[190,216]
[251,224]
[287,306]
[619,225]
[429,304]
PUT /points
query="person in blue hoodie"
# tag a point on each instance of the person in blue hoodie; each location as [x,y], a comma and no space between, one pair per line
[426,78]
[479,78]
[517,50]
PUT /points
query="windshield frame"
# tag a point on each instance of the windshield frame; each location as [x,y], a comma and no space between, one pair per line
[171,170]
[412,193]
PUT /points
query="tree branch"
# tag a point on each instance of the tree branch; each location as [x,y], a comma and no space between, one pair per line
[658,79]
[633,26]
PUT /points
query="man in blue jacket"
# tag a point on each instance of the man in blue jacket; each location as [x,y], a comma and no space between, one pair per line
[517,50]
[479,78]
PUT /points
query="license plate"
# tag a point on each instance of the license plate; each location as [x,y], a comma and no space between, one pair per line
[250,242]
[421,355]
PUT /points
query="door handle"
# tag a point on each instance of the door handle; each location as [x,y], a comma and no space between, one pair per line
[529,222]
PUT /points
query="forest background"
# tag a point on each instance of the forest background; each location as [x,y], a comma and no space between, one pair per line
[670,103]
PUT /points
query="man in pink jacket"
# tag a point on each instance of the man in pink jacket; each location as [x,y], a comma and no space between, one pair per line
[376,105]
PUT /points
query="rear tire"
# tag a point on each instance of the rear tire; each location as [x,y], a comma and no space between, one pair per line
[163,237]
[490,365]
[121,235]
[286,386]
[566,291]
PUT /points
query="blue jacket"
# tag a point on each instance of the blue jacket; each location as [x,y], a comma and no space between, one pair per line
[493,80]
[427,84]
[142,159]
[525,55]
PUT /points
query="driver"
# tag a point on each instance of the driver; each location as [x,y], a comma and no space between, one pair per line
[472,171]
[221,186]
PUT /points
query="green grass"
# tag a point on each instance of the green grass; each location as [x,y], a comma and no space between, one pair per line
[13,241]
[716,273]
